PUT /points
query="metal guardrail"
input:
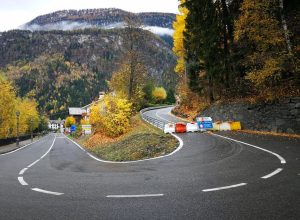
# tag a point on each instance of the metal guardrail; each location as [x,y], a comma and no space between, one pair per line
[155,122]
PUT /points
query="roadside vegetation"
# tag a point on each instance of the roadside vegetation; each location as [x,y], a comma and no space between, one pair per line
[15,110]
[141,141]
[119,134]
[235,51]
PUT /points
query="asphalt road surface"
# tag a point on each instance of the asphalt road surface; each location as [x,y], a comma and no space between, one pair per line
[230,176]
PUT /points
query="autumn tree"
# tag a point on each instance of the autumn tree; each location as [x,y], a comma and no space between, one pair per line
[111,116]
[261,40]
[7,108]
[70,121]
[179,29]
[10,104]
[131,76]
[159,94]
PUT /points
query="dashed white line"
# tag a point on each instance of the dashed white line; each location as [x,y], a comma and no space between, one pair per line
[134,196]
[47,192]
[272,174]
[22,181]
[23,171]
[224,187]
[282,160]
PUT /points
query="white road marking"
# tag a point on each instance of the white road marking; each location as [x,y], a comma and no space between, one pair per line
[224,187]
[134,196]
[33,163]
[46,191]
[126,162]
[22,181]
[272,174]
[23,171]
[282,160]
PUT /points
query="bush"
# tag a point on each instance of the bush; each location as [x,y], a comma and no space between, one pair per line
[111,116]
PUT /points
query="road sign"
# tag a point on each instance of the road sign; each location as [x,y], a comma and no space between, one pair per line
[73,128]
[204,122]
[87,129]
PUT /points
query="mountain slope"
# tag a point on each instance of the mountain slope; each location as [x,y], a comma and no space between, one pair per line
[158,23]
[91,54]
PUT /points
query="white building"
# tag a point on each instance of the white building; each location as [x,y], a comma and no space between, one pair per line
[55,125]
[84,112]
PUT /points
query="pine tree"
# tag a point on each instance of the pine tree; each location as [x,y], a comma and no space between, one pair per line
[203,46]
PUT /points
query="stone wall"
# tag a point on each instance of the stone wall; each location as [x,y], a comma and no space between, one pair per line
[282,116]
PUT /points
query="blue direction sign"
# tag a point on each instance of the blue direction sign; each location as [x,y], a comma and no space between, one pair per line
[204,122]
[73,128]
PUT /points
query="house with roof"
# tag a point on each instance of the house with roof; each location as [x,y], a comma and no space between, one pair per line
[84,112]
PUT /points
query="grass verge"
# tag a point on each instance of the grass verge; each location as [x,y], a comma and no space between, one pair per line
[142,141]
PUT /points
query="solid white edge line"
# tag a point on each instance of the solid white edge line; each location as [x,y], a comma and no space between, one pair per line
[134,196]
[224,187]
[23,171]
[282,160]
[136,161]
[22,181]
[46,191]
[272,174]
[33,163]
[21,147]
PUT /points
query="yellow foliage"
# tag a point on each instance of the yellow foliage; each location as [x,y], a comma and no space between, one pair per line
[9,106]
[70,121]
[178,48]
[258,28]
[84,122]
[159,93]
[270,68]
[120,82]
[28,115]
[111,116]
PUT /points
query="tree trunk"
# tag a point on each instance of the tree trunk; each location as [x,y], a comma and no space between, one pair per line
[225,18]
[210,90]
[285,28]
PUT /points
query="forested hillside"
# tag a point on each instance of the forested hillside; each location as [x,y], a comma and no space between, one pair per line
[237,50]
[69,68]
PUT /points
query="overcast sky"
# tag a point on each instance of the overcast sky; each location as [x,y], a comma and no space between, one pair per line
[14,13]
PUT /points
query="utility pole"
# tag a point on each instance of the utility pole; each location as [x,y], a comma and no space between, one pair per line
[31,123]
[18,139]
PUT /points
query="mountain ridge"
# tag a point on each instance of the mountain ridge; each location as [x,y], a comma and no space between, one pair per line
[104,18]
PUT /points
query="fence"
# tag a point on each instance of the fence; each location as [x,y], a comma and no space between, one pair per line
[12,140]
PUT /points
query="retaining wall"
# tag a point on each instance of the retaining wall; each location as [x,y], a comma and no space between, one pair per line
[282,116]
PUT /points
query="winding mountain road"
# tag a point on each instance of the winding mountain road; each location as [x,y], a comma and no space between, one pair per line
[211,176]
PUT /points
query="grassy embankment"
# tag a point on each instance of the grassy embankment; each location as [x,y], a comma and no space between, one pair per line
[140,142]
